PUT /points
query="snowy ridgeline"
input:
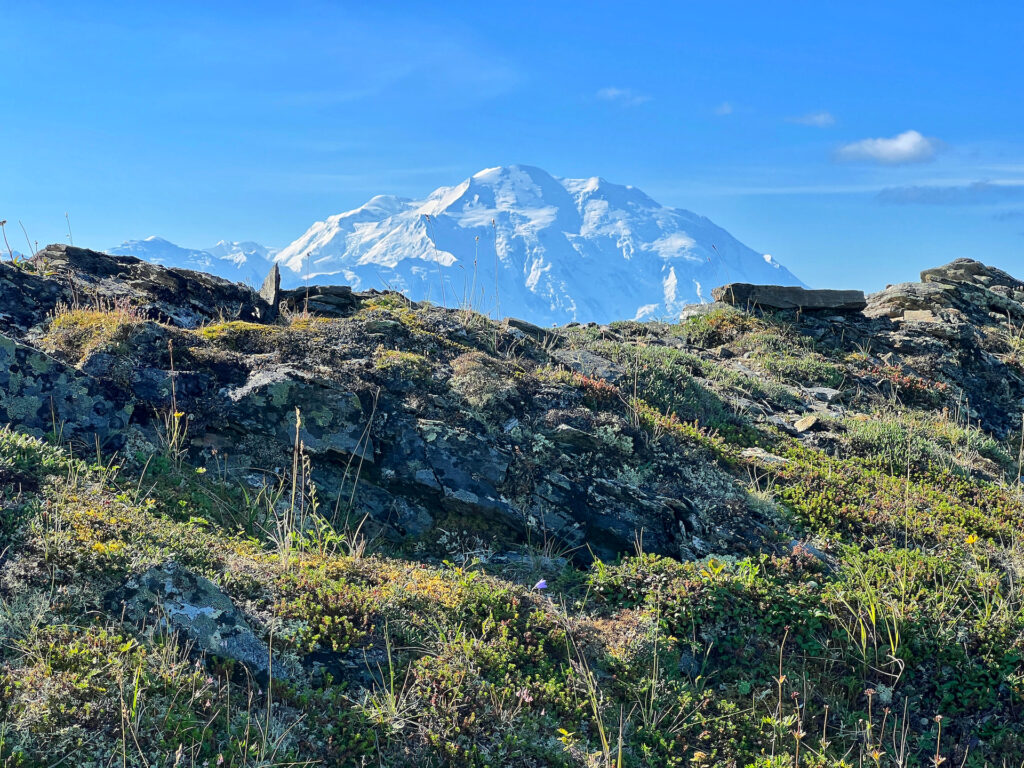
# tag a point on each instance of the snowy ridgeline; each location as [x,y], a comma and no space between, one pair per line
[241,262]
[509,241]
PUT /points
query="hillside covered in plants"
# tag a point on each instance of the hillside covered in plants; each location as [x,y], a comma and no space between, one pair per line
[322,527]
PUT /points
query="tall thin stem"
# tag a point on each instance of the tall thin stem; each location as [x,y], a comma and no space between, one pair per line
[9,251]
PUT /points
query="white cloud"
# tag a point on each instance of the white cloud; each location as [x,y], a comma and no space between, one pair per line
[625,96]
[725,108]
[908,147]
[817,119]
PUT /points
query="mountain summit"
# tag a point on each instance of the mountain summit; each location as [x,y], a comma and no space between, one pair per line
[517,241]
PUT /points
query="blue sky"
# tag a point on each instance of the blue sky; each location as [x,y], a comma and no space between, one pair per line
[856,142]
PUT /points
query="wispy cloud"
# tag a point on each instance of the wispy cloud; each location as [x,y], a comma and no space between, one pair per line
[723,109]
[817,119]
[975,193]
[907,147]
[1014,214]
[627,97]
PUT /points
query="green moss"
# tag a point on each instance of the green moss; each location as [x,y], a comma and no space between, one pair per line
[76,333]
[389,301]
[405,365]
[240,335]
[305,323]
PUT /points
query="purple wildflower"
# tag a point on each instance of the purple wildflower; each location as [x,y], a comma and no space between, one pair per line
[540,585]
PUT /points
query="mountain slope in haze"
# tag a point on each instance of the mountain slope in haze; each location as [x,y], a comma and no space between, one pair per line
[238,261]
[516,241]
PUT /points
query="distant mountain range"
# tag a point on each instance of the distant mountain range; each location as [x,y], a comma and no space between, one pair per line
[242,262]
[509,241]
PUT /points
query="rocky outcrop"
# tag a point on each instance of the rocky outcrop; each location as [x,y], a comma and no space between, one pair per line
[970,272]
[321,300]
[180,297]
[963,291]
[172,599]
[417,419]
[750,296]
[40,395]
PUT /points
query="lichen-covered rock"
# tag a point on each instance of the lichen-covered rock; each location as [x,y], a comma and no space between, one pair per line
[460,470]
[27,298]
[964,290]
[332,419]
[172,598]
[968,271]
[40,395]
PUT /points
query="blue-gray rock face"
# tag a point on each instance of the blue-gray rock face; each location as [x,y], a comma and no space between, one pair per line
[40,394]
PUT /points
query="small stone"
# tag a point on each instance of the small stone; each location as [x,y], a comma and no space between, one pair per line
[577,438]
[823,394]
[762,455]
[807,423]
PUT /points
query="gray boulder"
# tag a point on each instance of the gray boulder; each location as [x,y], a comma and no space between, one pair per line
[172,598]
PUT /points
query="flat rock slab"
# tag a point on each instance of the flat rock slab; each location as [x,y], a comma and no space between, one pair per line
[789,297]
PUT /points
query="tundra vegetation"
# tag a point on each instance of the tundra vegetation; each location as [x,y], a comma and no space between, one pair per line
[876,617]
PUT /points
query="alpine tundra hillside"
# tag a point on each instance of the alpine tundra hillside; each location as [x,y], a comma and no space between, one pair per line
[333,527]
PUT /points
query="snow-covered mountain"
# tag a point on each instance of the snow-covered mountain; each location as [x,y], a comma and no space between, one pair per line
[241,262]
[516,241]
